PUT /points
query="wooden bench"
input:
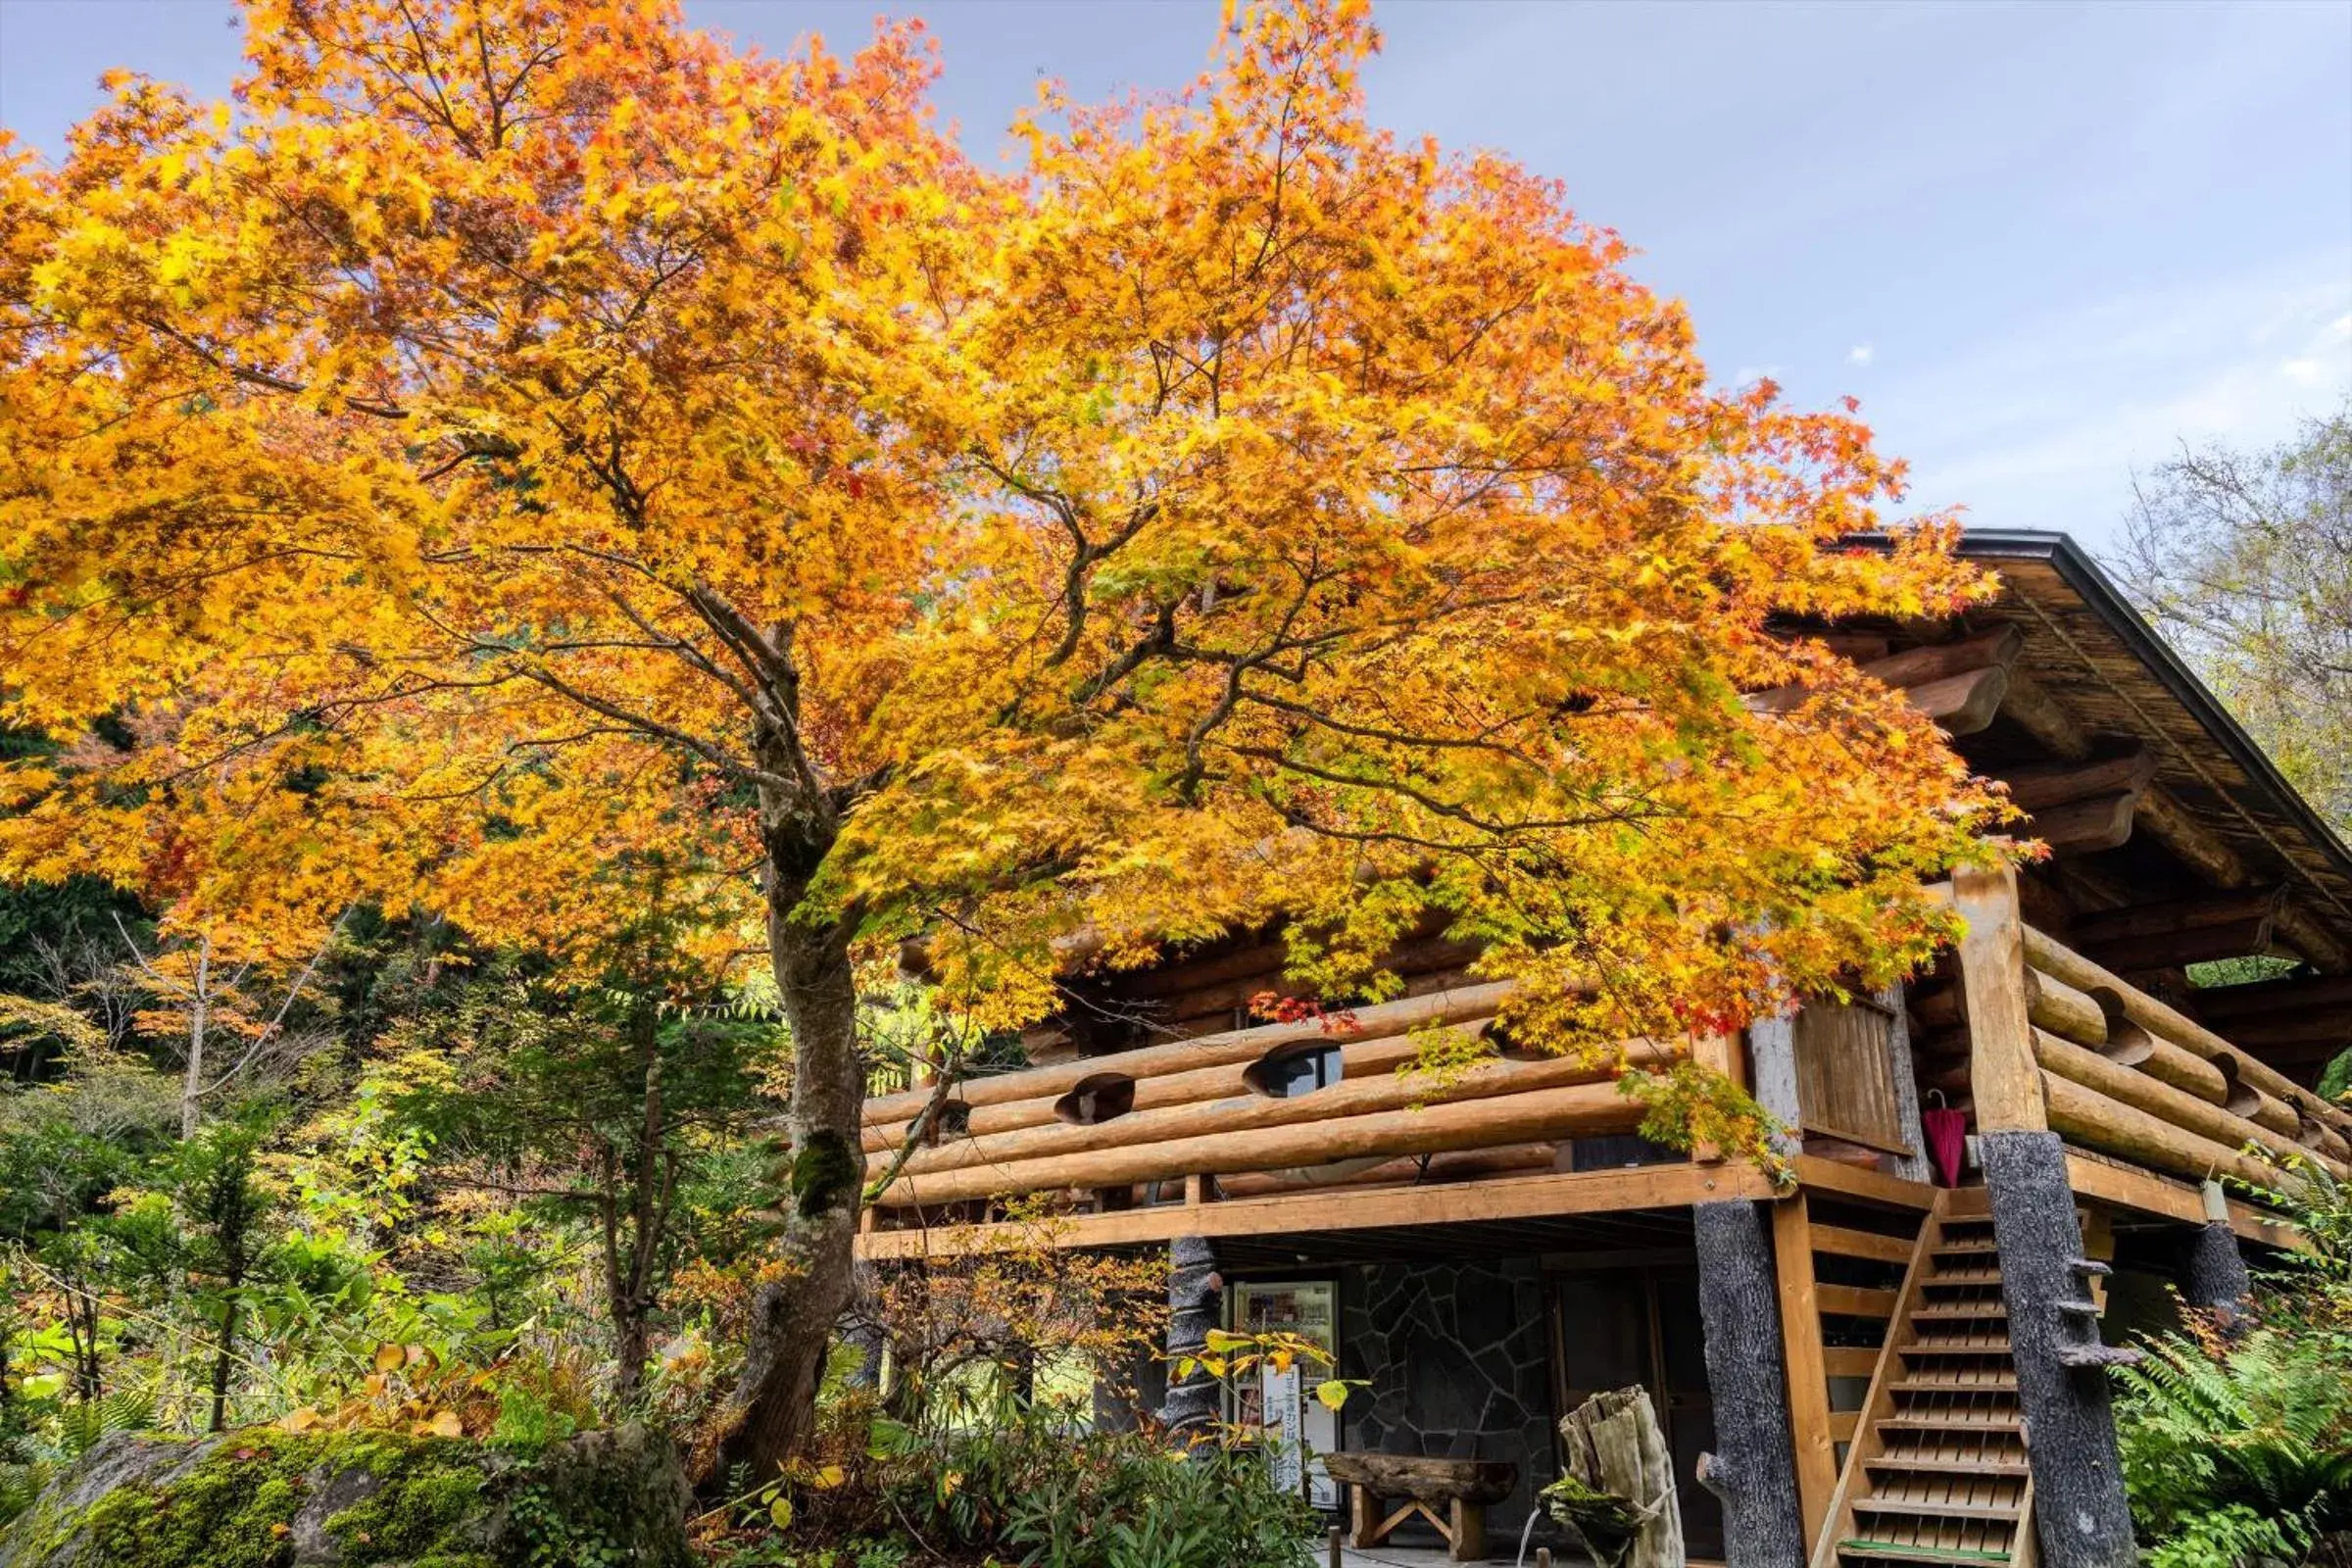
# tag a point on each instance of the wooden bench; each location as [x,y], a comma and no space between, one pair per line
[1462,1488]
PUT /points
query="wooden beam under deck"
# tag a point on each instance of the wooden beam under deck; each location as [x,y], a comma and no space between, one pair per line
[1503,1199]
[2122,1187]
[1507,1198]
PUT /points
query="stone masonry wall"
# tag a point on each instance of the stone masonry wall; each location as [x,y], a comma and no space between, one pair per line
[1457,1365]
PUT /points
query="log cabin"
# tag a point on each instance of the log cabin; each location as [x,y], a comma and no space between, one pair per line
[2001,1169]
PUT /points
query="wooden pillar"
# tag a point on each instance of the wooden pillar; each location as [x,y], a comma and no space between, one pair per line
[1752,1469]
[1915,1166]
[1195,1300]
[1772,1058]
[1722,1053]
[2003,1077]
[2081,1517]
[1816,1451]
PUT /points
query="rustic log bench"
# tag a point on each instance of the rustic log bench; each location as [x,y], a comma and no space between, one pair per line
[1462,1488]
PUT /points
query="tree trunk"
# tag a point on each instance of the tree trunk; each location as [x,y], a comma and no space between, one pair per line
[769,1416]
[1196,1298]
[191,1088]
[222,1359]
[2083,1518]
[651,1175]
[1753,1468]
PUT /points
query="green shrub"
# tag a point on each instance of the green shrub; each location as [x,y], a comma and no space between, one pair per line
[1030,1487]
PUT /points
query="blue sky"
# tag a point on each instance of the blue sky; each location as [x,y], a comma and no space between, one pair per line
[2042,243]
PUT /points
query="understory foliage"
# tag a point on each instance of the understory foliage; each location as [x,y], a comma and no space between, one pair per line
[2236,1435]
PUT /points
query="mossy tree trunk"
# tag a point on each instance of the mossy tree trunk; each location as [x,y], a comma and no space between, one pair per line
[772,1412]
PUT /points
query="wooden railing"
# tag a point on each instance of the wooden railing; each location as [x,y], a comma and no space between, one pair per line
[2058,1041]
[1198,1108]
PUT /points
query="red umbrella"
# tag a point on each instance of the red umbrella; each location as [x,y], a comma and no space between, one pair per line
[1946,1133]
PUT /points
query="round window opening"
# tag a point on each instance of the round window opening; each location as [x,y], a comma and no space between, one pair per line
[954,1120]
[1097,1100]
[1295,1070]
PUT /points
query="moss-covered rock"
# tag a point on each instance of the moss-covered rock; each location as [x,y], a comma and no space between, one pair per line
[265,1498]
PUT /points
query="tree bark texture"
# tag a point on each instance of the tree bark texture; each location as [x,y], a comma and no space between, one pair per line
[772,1412]
[1753,1469]
[1194,1302]
[2080,1511]
[200,1002]
[2214,1274]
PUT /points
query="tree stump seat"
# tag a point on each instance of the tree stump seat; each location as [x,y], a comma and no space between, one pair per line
[1461,1488]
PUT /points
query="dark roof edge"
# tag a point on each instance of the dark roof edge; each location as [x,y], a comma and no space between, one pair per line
[2081,571]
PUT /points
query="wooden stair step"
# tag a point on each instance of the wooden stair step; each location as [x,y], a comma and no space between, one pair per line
[1893,1462]
[1894,1552]
[1995,1512]
[1989,1347]
[1931,1421]
[1964,1274]
[1968,1248]
[2005,1383]
[1946,1310]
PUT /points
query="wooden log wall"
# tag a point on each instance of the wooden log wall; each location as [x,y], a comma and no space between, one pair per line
[1193,1111]
[2126,1075]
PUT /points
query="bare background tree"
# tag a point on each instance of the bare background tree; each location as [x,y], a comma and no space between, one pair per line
[2243,560]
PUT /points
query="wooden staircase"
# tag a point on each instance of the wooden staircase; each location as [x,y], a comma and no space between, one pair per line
[1936,1471]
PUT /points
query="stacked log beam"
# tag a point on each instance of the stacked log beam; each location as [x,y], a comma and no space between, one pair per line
[1231,1048]
[2054,959]
[2175,1108]
[2129,1076]
[1393,1090]
[1359,1058]
[2131,1046]
[1569,1111]
[2084,1116]
[1960,685]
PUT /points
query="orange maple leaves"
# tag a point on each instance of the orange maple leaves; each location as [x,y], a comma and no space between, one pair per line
[534,438]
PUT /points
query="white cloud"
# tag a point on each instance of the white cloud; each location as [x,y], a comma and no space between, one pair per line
[1861,354]
[2043,425]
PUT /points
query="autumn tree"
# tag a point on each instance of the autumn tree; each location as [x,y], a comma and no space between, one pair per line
[521,432]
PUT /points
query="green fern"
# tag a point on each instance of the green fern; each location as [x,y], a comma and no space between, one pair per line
[19,1485]
[2252,1446]
[82,1427]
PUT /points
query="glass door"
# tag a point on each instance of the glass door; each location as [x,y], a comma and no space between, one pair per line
[1294,1428]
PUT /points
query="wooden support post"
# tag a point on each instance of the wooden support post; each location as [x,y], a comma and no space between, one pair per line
[2214,1275]
[1912,1166]
[2081,1516]
[1723,1054]
[1772,1063]
[1466,1531]
[1751,1469]
[1195,1300]
[2004,1079]
[1802,1350]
